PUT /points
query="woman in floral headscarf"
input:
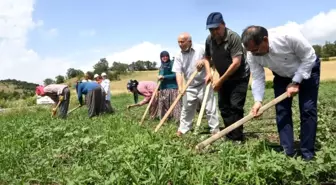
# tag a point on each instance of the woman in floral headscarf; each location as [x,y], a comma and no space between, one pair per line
[168,88]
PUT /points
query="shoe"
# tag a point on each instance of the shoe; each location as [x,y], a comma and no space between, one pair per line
[309,158]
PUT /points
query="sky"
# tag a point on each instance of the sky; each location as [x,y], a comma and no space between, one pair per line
[41,39]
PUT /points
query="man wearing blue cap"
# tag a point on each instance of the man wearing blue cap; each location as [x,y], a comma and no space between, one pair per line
[223,49]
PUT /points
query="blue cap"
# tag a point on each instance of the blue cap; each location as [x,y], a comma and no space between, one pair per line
[214,20]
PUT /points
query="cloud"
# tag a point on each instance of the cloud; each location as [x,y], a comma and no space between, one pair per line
[86,33]
[143,51]
[17,61]
[319,28]
[52,32]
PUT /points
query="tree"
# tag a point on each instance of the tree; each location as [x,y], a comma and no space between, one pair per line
[119,67]
[318,50]
[48,81]
[101,66]
[60,79]
[72,73]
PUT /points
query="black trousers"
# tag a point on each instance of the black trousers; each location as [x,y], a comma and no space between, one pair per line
[231,101]
[308,95]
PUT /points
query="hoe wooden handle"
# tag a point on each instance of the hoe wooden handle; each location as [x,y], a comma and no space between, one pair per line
[250,116]
[73,109]
[176,101]
[150,102]
[205,98]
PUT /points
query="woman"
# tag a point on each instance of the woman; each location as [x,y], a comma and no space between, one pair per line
[55,92]
[146,89]
[94,97]
[168,89]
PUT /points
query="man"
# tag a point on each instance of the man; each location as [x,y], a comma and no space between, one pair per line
[88,77]
[94,97]
[55,92]
[296,69]
[223,47]
[185,64]
[106,86]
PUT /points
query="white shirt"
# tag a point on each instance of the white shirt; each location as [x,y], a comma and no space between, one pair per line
[186,63]
[106,86]
[290,55]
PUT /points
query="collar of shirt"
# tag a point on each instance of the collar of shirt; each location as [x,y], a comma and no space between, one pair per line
[224,39]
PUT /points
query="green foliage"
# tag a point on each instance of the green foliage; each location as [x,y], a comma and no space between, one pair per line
[48,81]
[325,51]
[101,66]
[114,149]
[60,79]
[19,84]
[72,73]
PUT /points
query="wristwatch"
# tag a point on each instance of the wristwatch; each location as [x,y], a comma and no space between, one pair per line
[295,83]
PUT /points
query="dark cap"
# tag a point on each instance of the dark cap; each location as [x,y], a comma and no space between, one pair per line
[214,20]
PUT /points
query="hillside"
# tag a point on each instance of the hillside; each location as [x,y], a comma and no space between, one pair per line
[11,88]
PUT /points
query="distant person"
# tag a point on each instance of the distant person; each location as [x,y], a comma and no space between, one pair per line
[185,64]
[55,92]
[168,88]
[94,97]
[106,86]
[88,77]
[296,69]
[146,89]
[97,78]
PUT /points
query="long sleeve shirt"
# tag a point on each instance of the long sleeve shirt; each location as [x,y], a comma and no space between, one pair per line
[169,80]
[106,86]
[146,89]
[290,55]
[54,90]
[84,88]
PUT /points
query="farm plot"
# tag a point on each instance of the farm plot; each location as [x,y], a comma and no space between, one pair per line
[114,149]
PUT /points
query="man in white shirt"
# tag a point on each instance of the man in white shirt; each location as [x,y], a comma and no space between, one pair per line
[296,70]
[185,64]
[106,86]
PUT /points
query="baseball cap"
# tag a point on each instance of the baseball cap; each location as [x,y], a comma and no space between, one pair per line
[214,20]
[103,74]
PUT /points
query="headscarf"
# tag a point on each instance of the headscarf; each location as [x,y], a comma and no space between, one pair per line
[39,90]
[164,64]
[132,84]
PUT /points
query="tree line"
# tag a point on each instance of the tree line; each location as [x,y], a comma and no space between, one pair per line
[113,72]
[17,89]
[326,51]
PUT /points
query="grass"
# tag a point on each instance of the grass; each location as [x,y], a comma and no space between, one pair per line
[114,149]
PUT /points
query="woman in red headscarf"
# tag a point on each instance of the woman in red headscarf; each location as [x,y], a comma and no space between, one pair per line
[56,92]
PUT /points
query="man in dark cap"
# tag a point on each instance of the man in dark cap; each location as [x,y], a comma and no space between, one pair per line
[223,49]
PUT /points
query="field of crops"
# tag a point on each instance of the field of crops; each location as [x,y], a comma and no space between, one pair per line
[114,149]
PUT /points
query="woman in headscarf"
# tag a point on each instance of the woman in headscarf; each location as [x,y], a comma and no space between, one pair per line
[57,92]
[168,89]
[146,89]
[94,97]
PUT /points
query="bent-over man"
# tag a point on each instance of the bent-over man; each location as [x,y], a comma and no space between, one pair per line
[296,69]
